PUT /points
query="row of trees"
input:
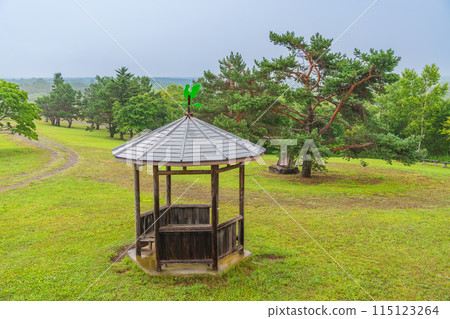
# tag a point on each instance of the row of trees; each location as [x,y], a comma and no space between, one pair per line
[124,104]
[336,100]
[355,106]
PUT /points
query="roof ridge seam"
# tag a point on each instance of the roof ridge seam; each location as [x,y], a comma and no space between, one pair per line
[160,141]
[238,140]
[193,120]
[139,139]
[184,141]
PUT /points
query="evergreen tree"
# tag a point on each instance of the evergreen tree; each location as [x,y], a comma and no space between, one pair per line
[123,87]
[63,102]
[324,93]
[97,106]
[232,100]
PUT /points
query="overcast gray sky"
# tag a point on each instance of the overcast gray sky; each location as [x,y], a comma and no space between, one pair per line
[184,38]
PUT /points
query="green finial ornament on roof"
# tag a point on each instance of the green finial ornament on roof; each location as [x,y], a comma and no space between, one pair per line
[190,94]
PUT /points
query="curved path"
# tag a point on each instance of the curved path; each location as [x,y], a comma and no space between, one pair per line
[73,159]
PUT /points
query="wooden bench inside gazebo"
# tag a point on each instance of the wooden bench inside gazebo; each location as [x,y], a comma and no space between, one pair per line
[187,233]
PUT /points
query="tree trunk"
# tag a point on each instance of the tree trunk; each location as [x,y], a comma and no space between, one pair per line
[423,118]
[306,169]
[421,125]
[307,165]
[112,130]
[70,123]
[97,126]
[309,120]
[121,135]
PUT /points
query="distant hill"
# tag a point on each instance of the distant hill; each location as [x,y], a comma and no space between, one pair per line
[37,87]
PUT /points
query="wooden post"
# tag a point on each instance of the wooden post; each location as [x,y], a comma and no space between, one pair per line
[156,210]
[214,213]
[168,194]
[137,208]
[241,205]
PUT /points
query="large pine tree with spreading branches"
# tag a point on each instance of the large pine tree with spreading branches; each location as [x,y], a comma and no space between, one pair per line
[312,93]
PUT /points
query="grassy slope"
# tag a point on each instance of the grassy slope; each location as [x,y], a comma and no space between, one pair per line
[18,158]
[386,225]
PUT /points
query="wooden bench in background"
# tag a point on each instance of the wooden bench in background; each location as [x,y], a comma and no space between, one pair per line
[435,162]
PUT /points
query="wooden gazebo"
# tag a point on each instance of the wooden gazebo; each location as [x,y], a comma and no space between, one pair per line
[188,233]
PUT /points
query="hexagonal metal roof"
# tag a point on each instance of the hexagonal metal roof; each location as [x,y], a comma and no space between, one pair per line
[187,141]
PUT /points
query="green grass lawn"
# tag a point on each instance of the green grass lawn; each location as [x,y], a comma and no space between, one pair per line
[17,158]
[386,225]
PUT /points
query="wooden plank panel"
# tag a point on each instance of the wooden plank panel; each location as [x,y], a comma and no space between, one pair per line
[227,239]
[229,222]
[185,246]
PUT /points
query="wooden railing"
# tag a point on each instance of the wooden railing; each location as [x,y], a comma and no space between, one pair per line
[148,220]
[227,241]
[185,233]
[179,214]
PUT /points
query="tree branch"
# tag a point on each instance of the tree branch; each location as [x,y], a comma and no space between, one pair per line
[305,77]
[346,147]
[293,111]
[327,117]
[338,108]
[324,99]
[289,115]
[331,139]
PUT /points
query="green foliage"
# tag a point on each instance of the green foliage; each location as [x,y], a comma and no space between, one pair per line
[143,111]
[126,104]
[234,99]
[38,87]
[173,95]
[416,105]
[97,104]
[446,129]
[63,102]
[103,100]
[329,100]
[310,93]
[16,113]
[393,148]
